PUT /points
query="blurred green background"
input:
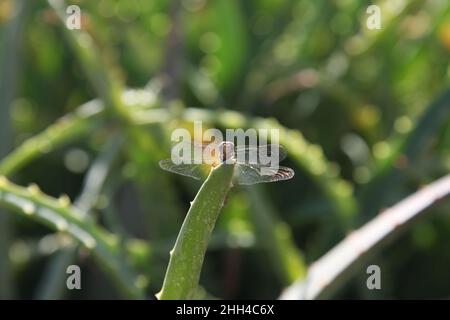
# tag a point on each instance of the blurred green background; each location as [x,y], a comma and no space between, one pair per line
[364,114]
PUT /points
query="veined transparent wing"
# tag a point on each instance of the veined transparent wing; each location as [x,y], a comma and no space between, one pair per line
[250,165]
[247,174]
[251,154]
[196,171]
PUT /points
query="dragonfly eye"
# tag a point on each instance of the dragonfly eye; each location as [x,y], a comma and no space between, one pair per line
[226,149]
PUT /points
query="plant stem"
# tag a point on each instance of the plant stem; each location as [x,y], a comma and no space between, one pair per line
[52,285]
[60,215]
[276,238]
[186,258]
[328,273]
[87,54]
[68,128]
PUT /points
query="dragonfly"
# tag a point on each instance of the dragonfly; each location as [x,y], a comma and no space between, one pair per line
[251,162]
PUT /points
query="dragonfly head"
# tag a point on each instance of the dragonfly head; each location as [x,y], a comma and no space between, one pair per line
[226,150]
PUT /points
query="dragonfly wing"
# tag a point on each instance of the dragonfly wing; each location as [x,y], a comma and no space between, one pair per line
[251,154]
[194,152]
[196,171]
[252,174]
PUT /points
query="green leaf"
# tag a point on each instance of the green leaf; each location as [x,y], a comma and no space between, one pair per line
[332,270]
[88,55]
[59,215]
[68,128]
[389,177]
[276,238]
[186,258]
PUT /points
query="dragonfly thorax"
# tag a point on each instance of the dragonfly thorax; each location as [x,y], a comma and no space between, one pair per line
[226,151]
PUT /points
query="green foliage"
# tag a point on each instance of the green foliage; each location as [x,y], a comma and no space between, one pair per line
[60,216]
[68,128]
